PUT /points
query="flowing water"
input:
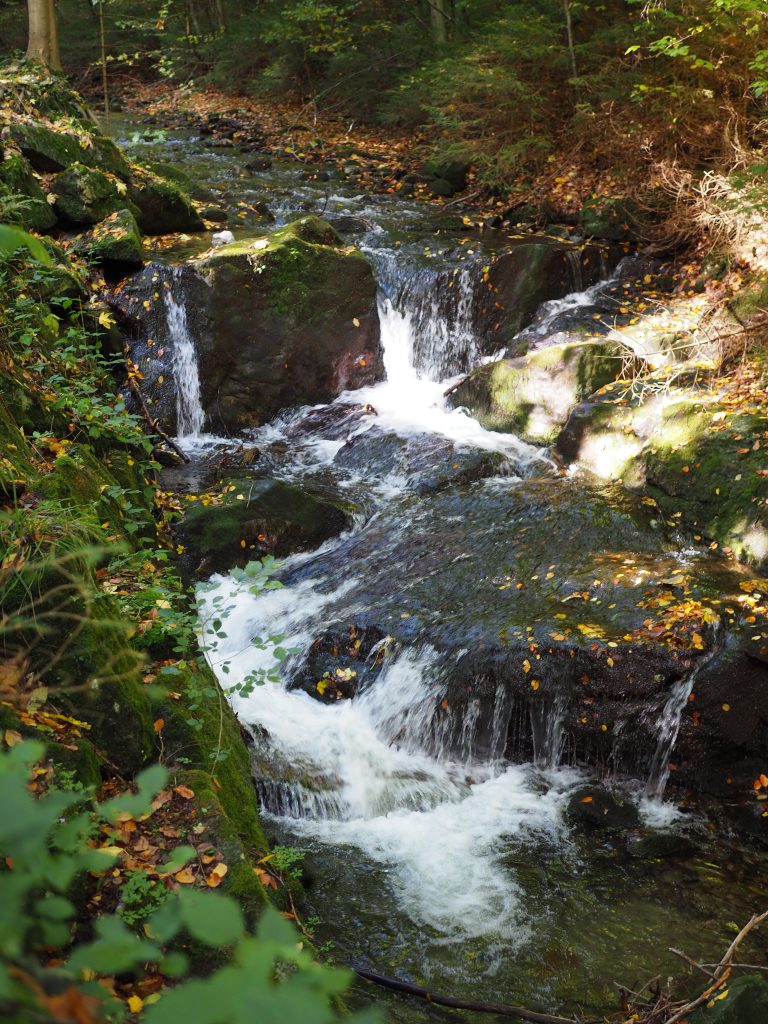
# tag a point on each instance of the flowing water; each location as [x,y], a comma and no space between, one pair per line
[433,853]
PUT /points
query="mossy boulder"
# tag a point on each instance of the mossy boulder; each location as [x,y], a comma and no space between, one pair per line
[255,518]
[85,196]
[741,1001]
[18,180]
[51,149]
[533,395]
[446,177]
[116,239]
[162,205]
[614,220]
[278,320]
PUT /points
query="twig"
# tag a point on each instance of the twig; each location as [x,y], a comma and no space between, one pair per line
[689,960]
[721,971]
[500,1009]
[154,425]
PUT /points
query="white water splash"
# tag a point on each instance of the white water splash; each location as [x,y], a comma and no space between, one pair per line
[364,772]
[190,417]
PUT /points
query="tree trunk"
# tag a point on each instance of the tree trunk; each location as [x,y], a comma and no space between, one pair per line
[439,19]
[569,32]
[43,37]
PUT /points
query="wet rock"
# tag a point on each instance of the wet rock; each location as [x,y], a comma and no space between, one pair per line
[85,196]
[331,421]
[660,846]
[250,518]
[745,1002]
[425,464]
[594,807]
[341,664]
[529,273]
[533,395]
[281,320]
[116,239]
[259,163]
[214,213]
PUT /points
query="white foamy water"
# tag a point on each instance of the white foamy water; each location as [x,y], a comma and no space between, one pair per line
[190,417]
[376,784]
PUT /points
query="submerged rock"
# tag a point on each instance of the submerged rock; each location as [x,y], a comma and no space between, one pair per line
[281,320]
[533,395]
[424,463]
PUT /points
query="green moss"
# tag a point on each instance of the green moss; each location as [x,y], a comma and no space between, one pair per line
[79,758]
[116,239]
[85,195]
[163,207]
[751,299]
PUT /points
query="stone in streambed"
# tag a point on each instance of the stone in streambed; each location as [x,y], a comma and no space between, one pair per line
[85,196]
[116,239]
[425,463]
[341,663]
[163,206]
[252,518]
[594,807]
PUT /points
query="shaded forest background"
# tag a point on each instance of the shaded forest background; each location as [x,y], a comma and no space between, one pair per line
[511,87]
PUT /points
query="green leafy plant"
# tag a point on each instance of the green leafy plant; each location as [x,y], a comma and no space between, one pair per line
[44,843]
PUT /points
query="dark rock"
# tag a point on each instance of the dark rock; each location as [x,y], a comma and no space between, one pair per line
[259,163]
[332,421]
[594,807]
[451,174]
[341,664]
[214,213]
[283,320]
[253,518]
[660,846]
[441,188]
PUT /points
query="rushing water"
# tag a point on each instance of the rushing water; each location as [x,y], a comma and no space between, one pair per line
[432,855]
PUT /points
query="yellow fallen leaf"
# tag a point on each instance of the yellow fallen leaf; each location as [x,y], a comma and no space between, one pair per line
[135,1003]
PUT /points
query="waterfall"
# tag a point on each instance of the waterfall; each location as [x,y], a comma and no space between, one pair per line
[669,723]
[548,730]
[190,417]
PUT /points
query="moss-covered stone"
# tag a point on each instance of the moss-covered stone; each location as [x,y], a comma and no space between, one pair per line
[116,239]
[533,395]
[78,758]
[85,196]
[163,206]
[46,149]
[17,180]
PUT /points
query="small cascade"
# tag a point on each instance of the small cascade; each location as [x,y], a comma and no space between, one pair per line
[548,731]
[190,417]
[577,273]
[668,728]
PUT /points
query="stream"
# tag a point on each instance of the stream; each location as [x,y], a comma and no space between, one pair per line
[433,806]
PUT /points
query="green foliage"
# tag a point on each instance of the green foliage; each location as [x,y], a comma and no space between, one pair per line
[45,840]
[12,239]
